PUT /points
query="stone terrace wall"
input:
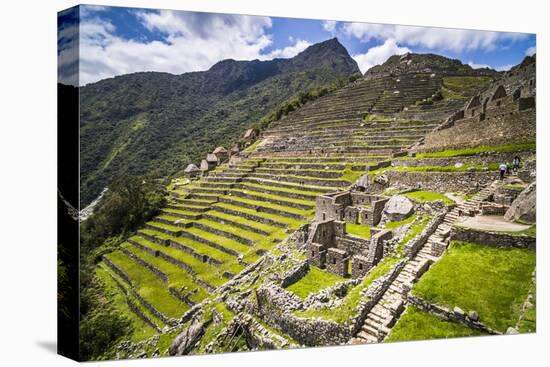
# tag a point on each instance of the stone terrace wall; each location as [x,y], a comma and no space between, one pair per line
[493,239]
[439,181]
[519,127]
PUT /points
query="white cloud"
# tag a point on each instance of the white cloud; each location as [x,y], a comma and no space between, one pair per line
[191,42]
[289,51]
[379,54]
[442,38]
[478,66]
[504,67]
[329,25]
[531,51]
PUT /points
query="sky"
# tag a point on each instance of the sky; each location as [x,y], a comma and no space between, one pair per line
[117,40]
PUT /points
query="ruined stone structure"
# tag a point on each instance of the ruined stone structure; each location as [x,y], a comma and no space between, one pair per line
[350,207]
[330,247]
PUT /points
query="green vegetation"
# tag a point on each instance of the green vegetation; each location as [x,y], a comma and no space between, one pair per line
[392,225]
[482,149]
[415,324]
[358,230]
[109,318]
[528,321]
[531,231]
[129,203]
[494,282]
[194,112]
[351,175]
[350,302]
[414,231]
[376,118]
[428,196]
[461,87]
[441,169]
[315,280]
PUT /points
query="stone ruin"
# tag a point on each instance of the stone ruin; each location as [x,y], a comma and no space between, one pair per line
[351,207]
[329,246]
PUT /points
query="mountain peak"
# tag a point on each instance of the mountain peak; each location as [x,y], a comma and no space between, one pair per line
[330,53]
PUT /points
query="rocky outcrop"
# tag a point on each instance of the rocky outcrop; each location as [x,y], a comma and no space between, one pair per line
[524,208]
[397,208]
[188,338]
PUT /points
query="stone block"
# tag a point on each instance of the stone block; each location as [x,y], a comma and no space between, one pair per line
[359,266]
[316,254]
[337,261]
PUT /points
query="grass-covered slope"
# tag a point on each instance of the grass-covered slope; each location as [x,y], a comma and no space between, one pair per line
[494,282]
[415,324]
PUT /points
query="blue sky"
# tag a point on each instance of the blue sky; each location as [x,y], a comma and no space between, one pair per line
[117,40]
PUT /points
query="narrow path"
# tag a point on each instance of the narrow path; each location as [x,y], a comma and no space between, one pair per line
[387,311]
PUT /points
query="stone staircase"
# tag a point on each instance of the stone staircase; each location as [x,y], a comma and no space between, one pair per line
[387,311]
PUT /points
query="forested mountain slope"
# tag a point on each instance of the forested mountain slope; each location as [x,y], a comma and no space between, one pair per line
[154,123]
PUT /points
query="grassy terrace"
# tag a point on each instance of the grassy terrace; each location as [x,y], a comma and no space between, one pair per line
[393,225]
[206,272]
[176,277]
[482,149]
[415,324]
[198,247]
[237,219]
[494,282]
[414,231]
[293,223]
[140,329]
[304,192]
[358,230]
[148,286]
[271,197]
[350,302]
[428,196]
[440,169]
[265,204]
[315,280]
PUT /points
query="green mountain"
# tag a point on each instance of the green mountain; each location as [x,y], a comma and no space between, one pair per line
[154,123]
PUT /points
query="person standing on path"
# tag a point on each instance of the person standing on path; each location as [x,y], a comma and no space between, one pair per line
[503,167]
[515,164]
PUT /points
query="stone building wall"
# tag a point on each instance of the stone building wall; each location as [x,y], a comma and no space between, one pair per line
[500,129]
[441,181]
[493,239]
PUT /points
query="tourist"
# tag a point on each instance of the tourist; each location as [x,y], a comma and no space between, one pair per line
[502,168]
[515,164]
[508,168]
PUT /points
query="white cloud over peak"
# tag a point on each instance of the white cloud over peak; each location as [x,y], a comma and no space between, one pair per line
[531,51]
[379,54]
[289,51]
[329,25]
[457,40]
[478,66]
[190,42]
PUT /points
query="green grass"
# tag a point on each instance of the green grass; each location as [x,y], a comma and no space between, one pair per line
[293,223]
[350,175]
[442,169]
[465,86]
[350,302]
[531,231]
[358,230]
[528,323]
[472,151]
[414,231]
[393,225]
[494,282]
[140,329]
[428,196]
[315,280]
[416,324]
[149,286]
